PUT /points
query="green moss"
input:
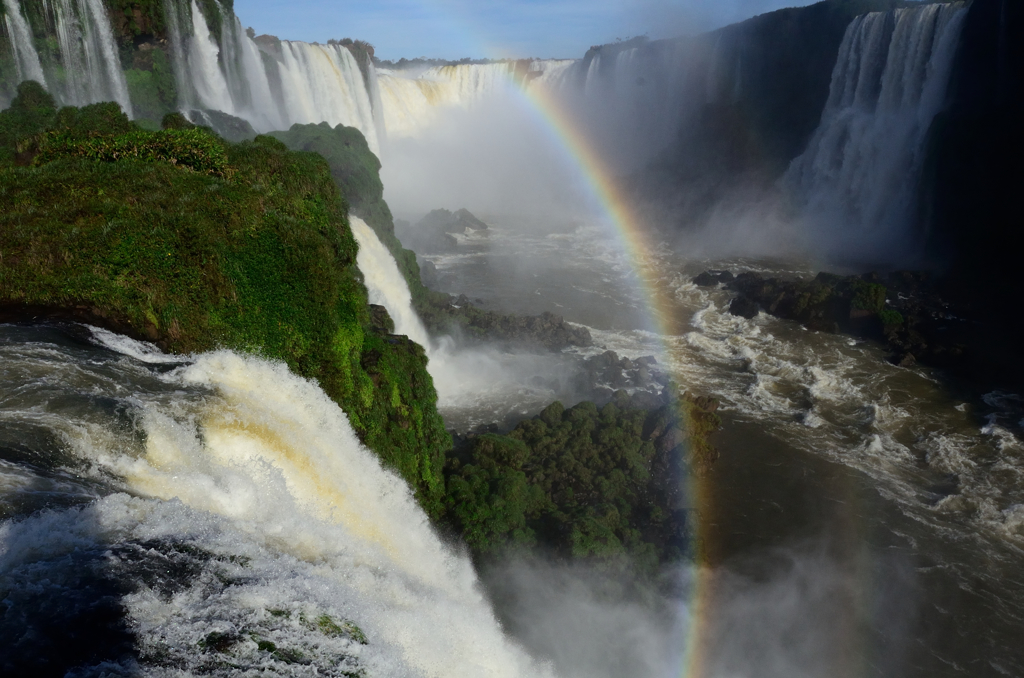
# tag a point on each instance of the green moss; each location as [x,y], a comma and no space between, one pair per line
[192,149]
[868,296]
[890,318]
[262,262]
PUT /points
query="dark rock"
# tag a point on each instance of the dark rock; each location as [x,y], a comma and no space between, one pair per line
[380,320]
[229,127]
[433,233]
[744,307]
[712,278]
[906,360]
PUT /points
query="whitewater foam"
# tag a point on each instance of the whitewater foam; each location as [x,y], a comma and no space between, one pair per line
[254,480]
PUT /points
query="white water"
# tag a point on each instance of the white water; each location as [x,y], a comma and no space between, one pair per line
[26,57]
[858,174]
[412,102]
[242,460]
[385,283]
[204,66]
[91,64]
[323,83]
[474,385]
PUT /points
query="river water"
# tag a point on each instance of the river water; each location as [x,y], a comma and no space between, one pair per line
[215,515]
[865,519]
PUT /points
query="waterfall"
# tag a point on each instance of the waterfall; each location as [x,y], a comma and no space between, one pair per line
[323,83]
[26,59]
[234,503]
[385,283]
[412,102]
[860,168]
[203,59]
[90,66]
[630,100]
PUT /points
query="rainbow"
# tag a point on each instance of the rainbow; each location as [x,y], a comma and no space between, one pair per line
[637,242]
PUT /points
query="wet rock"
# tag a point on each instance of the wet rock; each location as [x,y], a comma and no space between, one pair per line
[744,307]
[433,233]
[711,278]
[380,320]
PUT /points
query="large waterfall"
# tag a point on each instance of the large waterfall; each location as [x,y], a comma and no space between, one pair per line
[858,174]
[85,68]
[248,530]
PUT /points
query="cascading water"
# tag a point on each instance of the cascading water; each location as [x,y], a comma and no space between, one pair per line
[859,171]
[411,103]
[225,509]
[203,58]
[385,283]
[26,58]
[90,67]
[323,83]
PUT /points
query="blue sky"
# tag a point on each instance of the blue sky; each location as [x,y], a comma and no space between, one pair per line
[452,29]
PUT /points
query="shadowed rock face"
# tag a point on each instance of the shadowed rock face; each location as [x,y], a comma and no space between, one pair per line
[973,171]
[433,232]
[907,311]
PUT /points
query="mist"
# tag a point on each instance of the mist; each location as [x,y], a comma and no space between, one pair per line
[794,612]
[493,157]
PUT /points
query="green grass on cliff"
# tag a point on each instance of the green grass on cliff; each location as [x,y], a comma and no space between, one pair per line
[356,171]
[262,262]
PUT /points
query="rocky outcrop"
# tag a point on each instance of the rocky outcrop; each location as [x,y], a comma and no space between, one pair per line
[444,314]
[433,233]
[907,311]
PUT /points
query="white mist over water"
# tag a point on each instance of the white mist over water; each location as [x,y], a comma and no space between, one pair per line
[465,377]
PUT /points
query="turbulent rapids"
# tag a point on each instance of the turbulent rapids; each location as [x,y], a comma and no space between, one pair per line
[227,508]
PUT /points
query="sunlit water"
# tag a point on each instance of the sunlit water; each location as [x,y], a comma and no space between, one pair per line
[180,517]
[825,442]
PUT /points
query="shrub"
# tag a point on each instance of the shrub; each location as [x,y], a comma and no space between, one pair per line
[194,149]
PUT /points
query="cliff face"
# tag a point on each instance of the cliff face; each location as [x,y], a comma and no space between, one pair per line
[759,109]
[974,173]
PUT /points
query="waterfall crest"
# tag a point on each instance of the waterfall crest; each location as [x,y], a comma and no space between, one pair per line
[412,101]
[323,83]
[860,168]
[270,524]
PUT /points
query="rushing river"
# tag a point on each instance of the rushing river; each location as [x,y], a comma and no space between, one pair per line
[906,500]
[215,515]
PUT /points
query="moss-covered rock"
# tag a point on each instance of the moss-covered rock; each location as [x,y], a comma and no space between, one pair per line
[260,259]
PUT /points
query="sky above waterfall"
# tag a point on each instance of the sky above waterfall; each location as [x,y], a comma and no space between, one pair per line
[453,29]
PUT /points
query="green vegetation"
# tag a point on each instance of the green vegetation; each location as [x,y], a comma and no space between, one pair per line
[259,260]
[151,84]
[868,296]
[194,149]
[356,171]
[583,482]
[890,318]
